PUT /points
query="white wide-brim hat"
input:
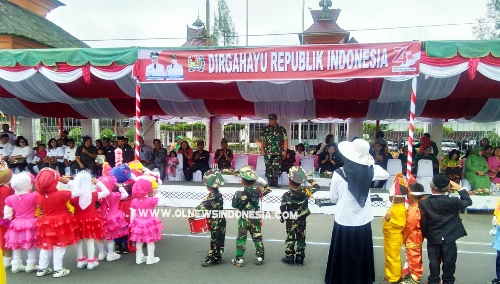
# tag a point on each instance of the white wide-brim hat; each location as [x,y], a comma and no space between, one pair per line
[357,151]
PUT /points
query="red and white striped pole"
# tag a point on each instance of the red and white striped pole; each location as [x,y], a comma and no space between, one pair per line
[137,119]
[413,101]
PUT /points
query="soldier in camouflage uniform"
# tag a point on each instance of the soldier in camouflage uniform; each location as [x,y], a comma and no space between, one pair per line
[273,145]
[296,200]
[247,201]
[214,201]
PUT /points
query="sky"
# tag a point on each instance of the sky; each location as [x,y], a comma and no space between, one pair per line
[100,21]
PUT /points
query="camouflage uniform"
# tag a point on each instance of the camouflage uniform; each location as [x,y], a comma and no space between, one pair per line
[247,200]
[214,201]
[273,138]
[296,200]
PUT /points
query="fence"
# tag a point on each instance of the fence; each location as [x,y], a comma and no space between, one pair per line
[190,131]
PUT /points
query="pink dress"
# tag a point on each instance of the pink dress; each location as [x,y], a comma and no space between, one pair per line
[145,228]
[172,161]
[493,163]
[115,225]
[21,233]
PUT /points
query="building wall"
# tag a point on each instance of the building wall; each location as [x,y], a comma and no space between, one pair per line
[39,7]
[16,42]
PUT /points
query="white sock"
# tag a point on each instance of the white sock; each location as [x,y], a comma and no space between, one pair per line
[58,257]
[100,246]
[44,259]
[90,248]
[16,255]
[111,246]
[79,249]
[138,251]
[32,255]
[151,249]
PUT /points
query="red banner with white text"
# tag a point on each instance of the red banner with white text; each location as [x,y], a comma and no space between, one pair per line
[304,62]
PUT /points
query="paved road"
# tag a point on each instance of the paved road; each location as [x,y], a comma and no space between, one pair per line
[181,254]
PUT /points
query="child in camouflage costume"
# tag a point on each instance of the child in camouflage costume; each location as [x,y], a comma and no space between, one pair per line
[214,201]
[296,200]
[247,202]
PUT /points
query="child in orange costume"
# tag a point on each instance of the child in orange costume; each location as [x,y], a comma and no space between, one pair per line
[413,236]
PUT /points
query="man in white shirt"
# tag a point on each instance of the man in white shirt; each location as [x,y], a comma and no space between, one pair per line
[155,71]
[5,147]
[12,135]
[174,70]
[69,153]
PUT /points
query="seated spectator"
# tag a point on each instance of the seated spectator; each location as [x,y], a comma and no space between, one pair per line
[494,166]
[177,144]
[37,143]
[451,166]
[5,147]
[476,170]
[158,159]
[60,143]
[187,154]
[329,160]
[301,152]
[487,152]
[172,163]
[99,161]
[288,161]
[20,155]
[85,157]
[55,157]
[109,151]
[200,159]
[381,158]
[434,148]
[37,161]
[224,155]
[69,154]
[403,156]
[145,152]
[426,155]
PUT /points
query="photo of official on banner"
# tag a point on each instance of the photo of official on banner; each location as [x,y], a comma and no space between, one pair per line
[305,62]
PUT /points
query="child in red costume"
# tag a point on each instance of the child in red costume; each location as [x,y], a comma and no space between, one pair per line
[5,191]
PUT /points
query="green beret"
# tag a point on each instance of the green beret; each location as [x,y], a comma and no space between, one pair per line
[248,173]
[213,179]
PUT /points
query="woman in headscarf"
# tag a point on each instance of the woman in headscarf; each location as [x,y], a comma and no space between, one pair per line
[21,234]
[476,170]
[5,191]
[90,225]
[56,228]
[352,232]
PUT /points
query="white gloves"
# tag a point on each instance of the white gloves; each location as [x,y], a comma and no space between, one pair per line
[261,181]
[493,231]
[494,221]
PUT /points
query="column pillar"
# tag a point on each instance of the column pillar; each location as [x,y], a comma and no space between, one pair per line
[217,134]
[90,127]
[435,129]
[31,130]
[150,130]
[354,128]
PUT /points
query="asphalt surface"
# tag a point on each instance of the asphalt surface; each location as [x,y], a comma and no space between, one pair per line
[182,253]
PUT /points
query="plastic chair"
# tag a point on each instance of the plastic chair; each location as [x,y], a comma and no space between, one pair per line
[283,179]
[393,168]
[179,172]
[425,173]
[464,182]
[308,164]
[260,167]
[197,176]
[241,161]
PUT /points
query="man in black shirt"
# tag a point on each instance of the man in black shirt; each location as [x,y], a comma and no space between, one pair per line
[128,152]
[109,151]
[200,159]
[224,156]
[85,157]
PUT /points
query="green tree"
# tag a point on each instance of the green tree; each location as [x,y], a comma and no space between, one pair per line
[107,133]
[131,136]
[489,27]
[234,127]
[494,139]
[447,131]
[76,134]
[223,31]
[369,128]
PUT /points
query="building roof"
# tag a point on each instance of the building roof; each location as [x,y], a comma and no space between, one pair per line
[196,37]
[325,26]
[17,21]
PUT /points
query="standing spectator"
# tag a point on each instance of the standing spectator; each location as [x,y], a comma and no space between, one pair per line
[224,155]
[12,135]
[159,158]
[37,161]
[64,137]
[5,147]
[128,152]
[321,146]
[85,157]
[20,155]
[145,152]
[200,159]
[187,154]
[55,157]
[273,145]
[69,154]
[109,151]
[98,143]
[379,137]
[301,152]
[494,166]
[350,258]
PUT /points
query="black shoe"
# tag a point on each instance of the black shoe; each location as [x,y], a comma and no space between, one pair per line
[288,260]
[495,281]
[210,262]
[299,260]
[275,183]
[119,248]
[125,249]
